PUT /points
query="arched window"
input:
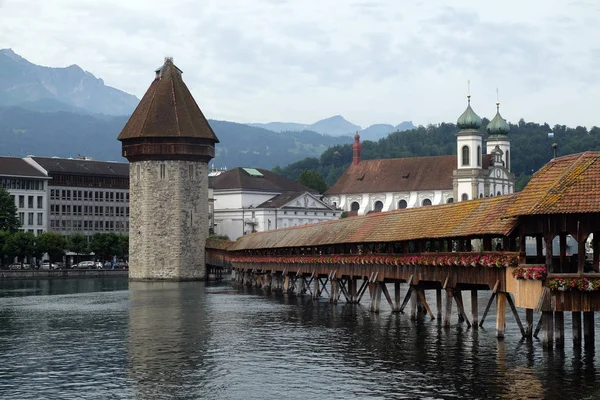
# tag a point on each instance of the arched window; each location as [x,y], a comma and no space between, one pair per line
[450,200]
[378,206]
[426,202]
[507,160]
[465,155]
[402,204]
[354,206]
[479,156]
[499,193]
[464,197]
[481,195]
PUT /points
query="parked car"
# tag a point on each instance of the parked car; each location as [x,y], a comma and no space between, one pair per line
[47,265]
[15,266]
[86,265]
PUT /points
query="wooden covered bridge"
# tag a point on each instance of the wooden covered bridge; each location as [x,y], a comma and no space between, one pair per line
[450,249]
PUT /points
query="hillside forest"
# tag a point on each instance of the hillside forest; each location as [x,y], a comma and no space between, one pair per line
[531,148]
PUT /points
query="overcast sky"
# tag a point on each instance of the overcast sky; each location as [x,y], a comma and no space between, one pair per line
[372,61]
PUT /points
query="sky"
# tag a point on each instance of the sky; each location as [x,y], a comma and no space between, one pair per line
[372,61]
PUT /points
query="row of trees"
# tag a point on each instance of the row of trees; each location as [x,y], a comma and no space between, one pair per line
[23,245]
[530,147]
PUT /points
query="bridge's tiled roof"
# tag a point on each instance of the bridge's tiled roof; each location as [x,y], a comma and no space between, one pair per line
[569,184]
[218,244]
[464,219]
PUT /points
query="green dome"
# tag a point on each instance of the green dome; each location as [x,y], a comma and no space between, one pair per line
[468,119]
[498,125]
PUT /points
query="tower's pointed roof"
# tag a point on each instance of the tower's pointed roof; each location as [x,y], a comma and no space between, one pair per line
[168,110]
[468,119]
[498,125]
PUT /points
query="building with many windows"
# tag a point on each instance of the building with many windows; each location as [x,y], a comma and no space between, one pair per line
[28,186]
[85,196]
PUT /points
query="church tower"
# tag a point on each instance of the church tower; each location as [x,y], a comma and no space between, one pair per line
[498,129]
[467,180]
[168,143]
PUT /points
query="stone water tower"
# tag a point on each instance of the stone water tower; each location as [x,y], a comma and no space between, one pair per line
[168,143]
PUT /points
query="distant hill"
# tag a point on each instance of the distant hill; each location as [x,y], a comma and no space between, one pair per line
[58,89]
[338,126]
[68,134]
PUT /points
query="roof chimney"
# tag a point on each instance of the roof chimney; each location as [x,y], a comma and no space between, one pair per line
[356,147]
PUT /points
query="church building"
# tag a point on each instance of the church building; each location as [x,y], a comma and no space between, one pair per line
[390,184]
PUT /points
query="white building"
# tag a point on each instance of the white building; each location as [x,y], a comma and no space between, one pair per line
[28,186]
[389,184]
[248,200]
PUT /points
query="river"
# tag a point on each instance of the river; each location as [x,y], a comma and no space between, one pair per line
[113,339]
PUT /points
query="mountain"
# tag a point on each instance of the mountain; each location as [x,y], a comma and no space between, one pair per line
[67,134]
[338,126]
[58,89]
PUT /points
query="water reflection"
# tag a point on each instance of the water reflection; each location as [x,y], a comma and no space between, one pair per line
[168,336]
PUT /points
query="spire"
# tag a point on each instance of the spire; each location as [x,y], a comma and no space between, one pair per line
[356,147]
[468,119]
[498,125]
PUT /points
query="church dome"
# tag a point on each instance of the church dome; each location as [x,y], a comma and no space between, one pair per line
[498,125]
[468,119]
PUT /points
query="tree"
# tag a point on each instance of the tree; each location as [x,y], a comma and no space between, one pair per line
[105,245]
[8,212]
[78,244]
[123,247]
[313,180]
[52,243]
[21,245]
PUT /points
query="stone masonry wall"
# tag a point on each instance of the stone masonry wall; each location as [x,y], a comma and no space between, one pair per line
[168,222]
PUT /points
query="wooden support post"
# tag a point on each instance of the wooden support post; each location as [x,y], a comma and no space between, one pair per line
[458,297]
[375,298]
[588,329]
[548,242]
[438,303]
[448,311]
[414,299]
[406,298]
[363,289]
[352,289]
[581,254]
[396,296]
[421,293]
[386,293]
[515,313]
[559,329]
[490,302]
[539,245]
[500,314]
[547,328]
[334,291]
[576,318]
[316,292]
[538,327]
[474,309]
[563,251]
[487,243]
[596,251]
[528,322]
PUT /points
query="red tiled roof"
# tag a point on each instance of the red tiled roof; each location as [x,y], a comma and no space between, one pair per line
[469,218]
[238,178]
[569,184]
[397,175]
[167,110]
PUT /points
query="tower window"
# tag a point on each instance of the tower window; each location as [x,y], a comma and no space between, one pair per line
[426,202]
[354,206]
[464,197]
[479,156]
[378,206]
[465,155]
[450,200]
[163,171]
[507,160]
[402,204]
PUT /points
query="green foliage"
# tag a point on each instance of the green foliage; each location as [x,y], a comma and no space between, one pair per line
[219,237]
[78,244]
[530,148]
[344,214]
[52,243]
[313,180]
[8,212]
[106,245]
[21,245]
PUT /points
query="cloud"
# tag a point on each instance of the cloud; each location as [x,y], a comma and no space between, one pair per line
[371,61]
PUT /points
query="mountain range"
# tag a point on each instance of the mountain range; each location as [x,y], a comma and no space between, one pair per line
[66,112]
[337,126]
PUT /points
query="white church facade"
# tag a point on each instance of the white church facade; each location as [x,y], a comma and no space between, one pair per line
[390,184]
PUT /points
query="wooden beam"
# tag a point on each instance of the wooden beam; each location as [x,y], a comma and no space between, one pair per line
[461,307]
[384,289]
[538,327]
[515,314]
[489,304]
[413,303]
[362,290]
[448,311]
[397,294]
[406,298]
[501,314]
[547,328]
[559,329]
[438,301]
[588,329]
[474,309]
[576,321]
[529,322]
[424,302]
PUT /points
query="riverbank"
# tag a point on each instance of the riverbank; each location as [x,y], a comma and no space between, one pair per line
[62,274]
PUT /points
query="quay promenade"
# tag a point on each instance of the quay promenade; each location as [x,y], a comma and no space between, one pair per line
[453,249]
[62,274]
